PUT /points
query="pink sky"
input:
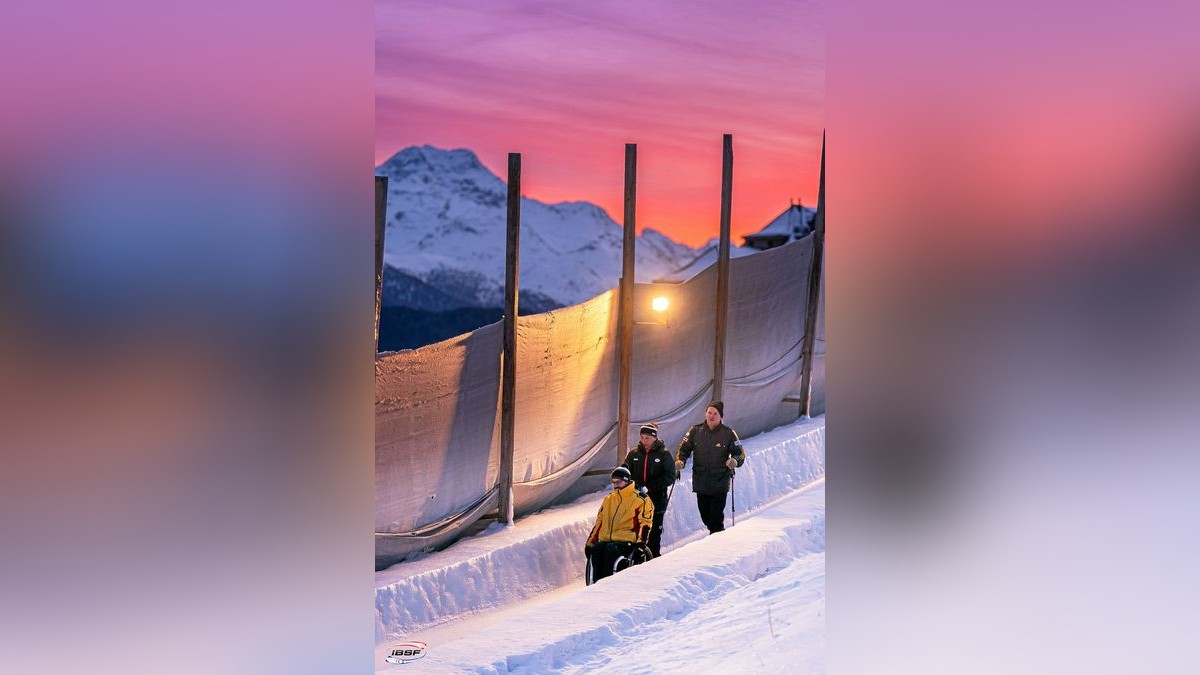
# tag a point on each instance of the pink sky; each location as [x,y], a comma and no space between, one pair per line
[568,84]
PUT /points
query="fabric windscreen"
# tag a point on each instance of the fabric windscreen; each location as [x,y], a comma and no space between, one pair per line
[438,408]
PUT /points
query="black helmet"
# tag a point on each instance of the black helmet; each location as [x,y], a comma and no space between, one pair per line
[622,473]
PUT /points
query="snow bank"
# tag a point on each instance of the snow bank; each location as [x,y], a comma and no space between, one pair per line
[501,566]
[747,599]
[779,462]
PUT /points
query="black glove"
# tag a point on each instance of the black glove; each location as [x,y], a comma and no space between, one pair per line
[587,550]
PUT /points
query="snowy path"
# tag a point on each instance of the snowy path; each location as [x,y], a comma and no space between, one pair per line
[774,623]
[512,599]
[750,598]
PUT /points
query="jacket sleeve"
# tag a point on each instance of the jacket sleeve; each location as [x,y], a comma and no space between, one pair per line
[595,533]
[645,519]
[686,446]
[736,450]
[625,463]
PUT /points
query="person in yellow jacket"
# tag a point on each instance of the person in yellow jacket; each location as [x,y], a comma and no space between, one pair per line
[625,519]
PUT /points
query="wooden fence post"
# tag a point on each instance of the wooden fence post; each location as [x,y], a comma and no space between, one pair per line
[722,306]
[814,295]
[508,373]
[625,319]
[381,187]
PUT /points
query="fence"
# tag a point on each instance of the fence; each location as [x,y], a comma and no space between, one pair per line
[437,410]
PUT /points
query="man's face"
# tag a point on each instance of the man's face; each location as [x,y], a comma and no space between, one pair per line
[647,440]
[712,416]
[618,484]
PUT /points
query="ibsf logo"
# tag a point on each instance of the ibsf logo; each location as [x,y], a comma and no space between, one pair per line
[406,652]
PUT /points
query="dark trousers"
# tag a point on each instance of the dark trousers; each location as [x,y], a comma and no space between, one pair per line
[712,511]
[660,511]
[605,555]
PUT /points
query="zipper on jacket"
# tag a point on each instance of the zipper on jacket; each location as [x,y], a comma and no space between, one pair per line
[612,520]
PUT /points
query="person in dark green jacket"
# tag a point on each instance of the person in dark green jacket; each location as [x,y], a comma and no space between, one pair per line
[718,451]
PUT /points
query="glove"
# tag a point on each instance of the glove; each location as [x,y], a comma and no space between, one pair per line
[643,491]
[587,550]
[679,465]
[731,463]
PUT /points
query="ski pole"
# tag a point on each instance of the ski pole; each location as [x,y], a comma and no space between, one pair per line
[733,489]
[670,491]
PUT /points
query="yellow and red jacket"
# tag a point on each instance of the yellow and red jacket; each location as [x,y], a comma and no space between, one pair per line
[624,515]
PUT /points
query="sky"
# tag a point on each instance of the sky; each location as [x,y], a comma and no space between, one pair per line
[568,84]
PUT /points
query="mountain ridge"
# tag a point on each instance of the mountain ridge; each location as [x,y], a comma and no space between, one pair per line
[444,245]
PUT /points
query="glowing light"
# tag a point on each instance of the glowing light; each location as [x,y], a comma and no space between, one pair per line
[660,304]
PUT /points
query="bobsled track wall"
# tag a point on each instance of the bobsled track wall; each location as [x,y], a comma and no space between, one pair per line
[437,409]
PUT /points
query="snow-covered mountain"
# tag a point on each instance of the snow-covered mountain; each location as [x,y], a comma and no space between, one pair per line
[445,239]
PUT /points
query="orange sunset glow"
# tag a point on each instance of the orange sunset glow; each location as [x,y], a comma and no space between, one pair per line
[569,86]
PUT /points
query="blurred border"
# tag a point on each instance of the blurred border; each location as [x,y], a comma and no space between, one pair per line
[185,341]
[1012,290]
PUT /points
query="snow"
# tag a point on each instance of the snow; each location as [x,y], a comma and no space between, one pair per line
[512,599]
[446,216]
[446,220]
[793,221]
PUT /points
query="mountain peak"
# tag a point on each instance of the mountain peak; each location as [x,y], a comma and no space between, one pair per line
[651,234]
[446,228]
[458,174]
[427,157]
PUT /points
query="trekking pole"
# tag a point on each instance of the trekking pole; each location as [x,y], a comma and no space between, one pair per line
[733,489]
[670,491]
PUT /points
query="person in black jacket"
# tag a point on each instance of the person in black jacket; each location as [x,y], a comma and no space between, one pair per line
[653,468]
[718,452]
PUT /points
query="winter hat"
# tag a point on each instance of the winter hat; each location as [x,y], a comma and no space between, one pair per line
[650,429]
[622,473]
[719,405]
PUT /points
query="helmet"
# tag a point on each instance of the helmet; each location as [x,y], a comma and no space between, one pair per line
[622,473]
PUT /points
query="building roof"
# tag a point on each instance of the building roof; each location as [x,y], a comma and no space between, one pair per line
[788,226]
[792,224]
